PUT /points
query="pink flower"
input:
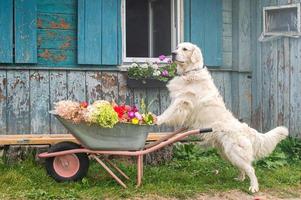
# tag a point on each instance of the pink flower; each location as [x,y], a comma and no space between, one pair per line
[164,73]
[162,57]
[131,114]
[138,116]
[169,61]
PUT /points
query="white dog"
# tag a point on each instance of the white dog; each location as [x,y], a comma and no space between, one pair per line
[196,103]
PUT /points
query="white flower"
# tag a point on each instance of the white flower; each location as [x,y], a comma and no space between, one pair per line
[155,66]
[144,66]
[134,65]
[156,73]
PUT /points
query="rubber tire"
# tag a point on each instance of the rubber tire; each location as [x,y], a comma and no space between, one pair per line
[83,161]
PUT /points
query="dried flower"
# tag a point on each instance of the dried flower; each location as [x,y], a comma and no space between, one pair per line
[69,110]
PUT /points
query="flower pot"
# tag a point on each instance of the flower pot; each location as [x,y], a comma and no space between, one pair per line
[145,83]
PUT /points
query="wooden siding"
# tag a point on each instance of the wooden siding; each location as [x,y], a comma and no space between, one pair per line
[277,76]
[26,96]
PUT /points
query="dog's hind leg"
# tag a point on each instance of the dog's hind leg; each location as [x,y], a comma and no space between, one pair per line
[246,166]
[239,155]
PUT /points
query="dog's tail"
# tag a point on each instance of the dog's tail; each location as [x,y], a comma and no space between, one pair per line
[266,143]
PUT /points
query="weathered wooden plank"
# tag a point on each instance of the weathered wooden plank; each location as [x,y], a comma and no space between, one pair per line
[58,91]
[227,30]
[93,85]
[54,57]
[76,83]
[283,82]
[153,103]
[6,33]
[55,138]
[227,5]
[109,82]
[18,113]
[245,97]
[164,103]
[39,102]
[235,94]
[25,31]
[3,108]
[139,94]
[227,44]
[56,39]
[227,17]
[89,32]
[153,100]
[256,29]
[227,59]
[125,94]
[109,32]
[56,21]
[55,6]
[295,82]
[228,90]
[244,35]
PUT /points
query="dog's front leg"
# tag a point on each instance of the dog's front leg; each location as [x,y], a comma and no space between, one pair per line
[176,113]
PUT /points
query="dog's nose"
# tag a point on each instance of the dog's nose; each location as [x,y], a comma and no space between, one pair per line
[173,55]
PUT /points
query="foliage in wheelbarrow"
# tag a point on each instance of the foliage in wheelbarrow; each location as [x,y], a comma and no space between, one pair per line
[103,113]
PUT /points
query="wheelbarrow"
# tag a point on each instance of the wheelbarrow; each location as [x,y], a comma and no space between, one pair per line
[68,161]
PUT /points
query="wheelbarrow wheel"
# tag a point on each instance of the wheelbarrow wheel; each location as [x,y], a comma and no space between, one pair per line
[71,167]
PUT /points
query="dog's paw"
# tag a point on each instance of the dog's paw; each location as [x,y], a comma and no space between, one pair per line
[254,188]
[158,120]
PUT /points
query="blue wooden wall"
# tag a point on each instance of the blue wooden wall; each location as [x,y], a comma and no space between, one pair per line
[27,92]
[277,76]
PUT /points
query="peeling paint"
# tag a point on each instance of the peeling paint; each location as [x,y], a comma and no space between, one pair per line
[39,23]
[61,24]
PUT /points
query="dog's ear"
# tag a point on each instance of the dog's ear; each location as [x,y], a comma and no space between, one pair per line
[196,55]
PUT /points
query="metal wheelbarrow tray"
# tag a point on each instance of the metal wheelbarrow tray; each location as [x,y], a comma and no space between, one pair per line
[124,136]
[67,161]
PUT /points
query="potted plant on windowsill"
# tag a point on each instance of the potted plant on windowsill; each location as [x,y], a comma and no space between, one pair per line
[151,75]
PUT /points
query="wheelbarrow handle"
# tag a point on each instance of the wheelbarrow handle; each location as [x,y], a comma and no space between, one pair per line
[205,130]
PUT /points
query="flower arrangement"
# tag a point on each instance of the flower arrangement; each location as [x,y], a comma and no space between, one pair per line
[153,70]
[103,113]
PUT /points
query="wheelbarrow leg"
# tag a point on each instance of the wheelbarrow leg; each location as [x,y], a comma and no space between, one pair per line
[117,169]
[139,169]
[109,171]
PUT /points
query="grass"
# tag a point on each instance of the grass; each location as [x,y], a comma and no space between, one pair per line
[178,178]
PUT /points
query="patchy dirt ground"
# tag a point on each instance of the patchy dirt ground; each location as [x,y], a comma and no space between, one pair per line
[239,195]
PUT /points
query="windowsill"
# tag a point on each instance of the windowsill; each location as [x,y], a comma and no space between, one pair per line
[145,60]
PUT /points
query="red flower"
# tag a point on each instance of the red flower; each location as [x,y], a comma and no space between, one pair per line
[84,104]
[120,110]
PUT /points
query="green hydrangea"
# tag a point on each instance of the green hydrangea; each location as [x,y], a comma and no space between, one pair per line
[104,115]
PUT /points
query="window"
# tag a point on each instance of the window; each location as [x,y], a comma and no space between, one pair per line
[150,28]
[282,20]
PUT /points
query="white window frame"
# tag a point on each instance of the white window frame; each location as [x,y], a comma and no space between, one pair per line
[290,33]
[176,29]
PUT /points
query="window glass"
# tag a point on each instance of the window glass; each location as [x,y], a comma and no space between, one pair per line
[148,28]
